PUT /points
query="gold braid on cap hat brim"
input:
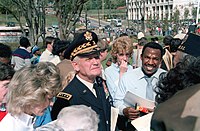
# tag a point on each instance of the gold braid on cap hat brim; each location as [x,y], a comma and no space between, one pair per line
[83,48]
[182,46]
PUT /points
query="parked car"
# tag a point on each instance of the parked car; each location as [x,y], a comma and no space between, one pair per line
[55,26]
[131,32]
[116,22]
[107,28]
[88,22]
[10,24]
[49,29]
[91,27]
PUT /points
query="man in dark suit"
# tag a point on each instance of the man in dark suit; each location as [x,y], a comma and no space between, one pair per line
[86,87]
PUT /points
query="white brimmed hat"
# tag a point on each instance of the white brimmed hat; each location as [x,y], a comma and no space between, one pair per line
[140,35]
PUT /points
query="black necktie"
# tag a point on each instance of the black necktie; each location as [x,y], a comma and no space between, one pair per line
[95,86]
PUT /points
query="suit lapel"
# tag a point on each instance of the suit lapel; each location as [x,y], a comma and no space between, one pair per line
[87,95]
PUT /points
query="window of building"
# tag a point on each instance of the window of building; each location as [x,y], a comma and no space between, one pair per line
[171,7]
[154,9]
[157,8]
[162,16]
[147,9]
[166,7]
[161,7]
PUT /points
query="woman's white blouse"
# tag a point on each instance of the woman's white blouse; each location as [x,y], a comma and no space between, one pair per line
[24,122]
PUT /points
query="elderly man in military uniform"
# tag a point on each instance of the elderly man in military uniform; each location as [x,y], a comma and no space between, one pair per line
[86,88]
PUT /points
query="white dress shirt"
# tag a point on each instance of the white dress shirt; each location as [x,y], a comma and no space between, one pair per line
[55,60]
[46,56]
[88,84]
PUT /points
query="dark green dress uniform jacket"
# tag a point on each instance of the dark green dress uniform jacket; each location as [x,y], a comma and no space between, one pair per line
[179,113]
[76,93]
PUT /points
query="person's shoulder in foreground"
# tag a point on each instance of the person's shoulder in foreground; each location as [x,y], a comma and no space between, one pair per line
[180,113]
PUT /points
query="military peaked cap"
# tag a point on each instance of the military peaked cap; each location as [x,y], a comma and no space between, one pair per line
[84,44]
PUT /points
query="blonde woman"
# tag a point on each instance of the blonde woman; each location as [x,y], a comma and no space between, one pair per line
[121,53]
[30,92]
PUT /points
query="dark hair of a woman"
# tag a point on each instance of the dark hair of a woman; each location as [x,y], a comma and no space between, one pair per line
[185,74]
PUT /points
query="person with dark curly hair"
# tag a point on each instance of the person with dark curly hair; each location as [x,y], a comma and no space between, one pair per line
[174,80]
[178,94]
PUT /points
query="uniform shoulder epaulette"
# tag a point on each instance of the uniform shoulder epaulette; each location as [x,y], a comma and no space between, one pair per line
[64,95]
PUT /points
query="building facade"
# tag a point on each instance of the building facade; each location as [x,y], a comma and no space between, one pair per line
[158,9]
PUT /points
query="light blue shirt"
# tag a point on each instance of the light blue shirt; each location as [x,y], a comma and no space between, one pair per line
[112,77]
[44,119]
[133,81]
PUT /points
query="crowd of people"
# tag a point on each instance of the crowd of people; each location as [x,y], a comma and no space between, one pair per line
[68,88]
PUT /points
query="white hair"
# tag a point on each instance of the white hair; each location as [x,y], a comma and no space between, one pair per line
[78,118]
[73,118]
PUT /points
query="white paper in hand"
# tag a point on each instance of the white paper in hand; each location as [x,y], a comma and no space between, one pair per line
[131,99]
[142,123]
[114,116]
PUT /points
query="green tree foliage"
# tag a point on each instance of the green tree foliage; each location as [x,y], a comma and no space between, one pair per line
[32,10]
[108,4]
[165,22]
[176,19]
[68,13]
[176,15]
[194,12]
[186,13]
